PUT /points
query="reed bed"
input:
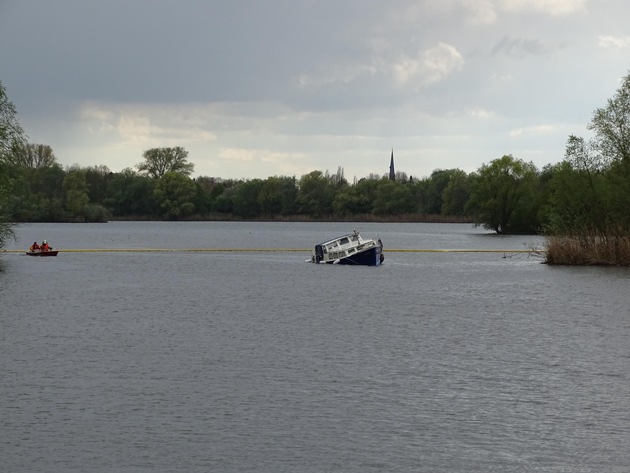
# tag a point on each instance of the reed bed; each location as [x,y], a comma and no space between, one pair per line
[588,250]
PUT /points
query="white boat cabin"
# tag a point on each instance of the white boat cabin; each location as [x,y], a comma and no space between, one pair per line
[345,246]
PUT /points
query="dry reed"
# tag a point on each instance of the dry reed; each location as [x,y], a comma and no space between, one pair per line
[588,250]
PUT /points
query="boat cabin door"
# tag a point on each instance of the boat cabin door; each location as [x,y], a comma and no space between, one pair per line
[319,253]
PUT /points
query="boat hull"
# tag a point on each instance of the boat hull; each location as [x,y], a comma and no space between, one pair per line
[371,257]
[42,253]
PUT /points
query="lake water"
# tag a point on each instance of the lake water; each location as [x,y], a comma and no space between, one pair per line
[252,361]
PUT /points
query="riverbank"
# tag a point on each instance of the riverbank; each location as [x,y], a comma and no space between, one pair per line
[406,218]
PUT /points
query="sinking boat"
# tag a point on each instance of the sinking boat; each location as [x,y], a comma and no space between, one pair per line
[351,249]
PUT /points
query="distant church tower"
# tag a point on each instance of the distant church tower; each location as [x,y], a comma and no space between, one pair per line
[392,173]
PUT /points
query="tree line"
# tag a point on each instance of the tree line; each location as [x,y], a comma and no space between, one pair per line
[580,202]
[161,188]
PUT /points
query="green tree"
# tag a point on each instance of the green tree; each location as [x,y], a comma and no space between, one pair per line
[589,193]
[222,196]
[357,199]
[11,138]
[38,191]
[34,156]
[574,200]
[608,154]
[583,193]
[277,196]
[270,196]
[11,133]
[159,161]
[207,189]
[393,198]
[611,126]
[502,195]
[246,198]
[175,194]
[98,179]
[132,195]
[224,203]
[456,194]
[434,190]
[317,193]
[289,189]
[6,230]
[38,194]
[76,192]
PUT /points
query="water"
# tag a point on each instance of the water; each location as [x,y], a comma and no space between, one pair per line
[257,361]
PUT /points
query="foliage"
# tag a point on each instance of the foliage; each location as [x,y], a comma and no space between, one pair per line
[53,194]
[11,133]
[316,193]
[357,199]
[590,190]
[131,195]
[6,230]
[611,126]
[76,192]
[31,155]
[98,180]
[456,193]
[434,190]
[38,194]
[503,195]
[246,198]
[588,194]
[277,196]
[174,193]
[393,197]
[11,138]
[159,161]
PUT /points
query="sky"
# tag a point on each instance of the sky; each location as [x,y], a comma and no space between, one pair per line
[253,89]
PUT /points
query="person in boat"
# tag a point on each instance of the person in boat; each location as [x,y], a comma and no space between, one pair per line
[45,246]
[34,247]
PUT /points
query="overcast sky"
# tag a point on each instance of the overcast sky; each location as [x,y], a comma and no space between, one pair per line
[284,87]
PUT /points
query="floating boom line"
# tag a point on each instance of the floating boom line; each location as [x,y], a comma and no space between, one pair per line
[267,250]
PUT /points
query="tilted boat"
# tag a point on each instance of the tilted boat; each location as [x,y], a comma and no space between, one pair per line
[42,253]
[350,249]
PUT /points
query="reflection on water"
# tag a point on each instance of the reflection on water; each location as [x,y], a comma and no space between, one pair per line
[259,362]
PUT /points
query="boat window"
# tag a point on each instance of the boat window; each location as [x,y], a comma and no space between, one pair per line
[344,241]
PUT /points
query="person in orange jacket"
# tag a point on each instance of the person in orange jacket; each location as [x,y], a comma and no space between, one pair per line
[45,246]
[34,247]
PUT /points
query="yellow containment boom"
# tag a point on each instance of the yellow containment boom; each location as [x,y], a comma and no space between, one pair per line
[262,250]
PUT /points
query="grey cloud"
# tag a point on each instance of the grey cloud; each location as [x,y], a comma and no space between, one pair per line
[520,47]
[333,70]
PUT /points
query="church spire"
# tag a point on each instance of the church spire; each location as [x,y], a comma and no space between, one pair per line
[392,173]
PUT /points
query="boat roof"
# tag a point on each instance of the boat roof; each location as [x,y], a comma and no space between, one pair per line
[346,235]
